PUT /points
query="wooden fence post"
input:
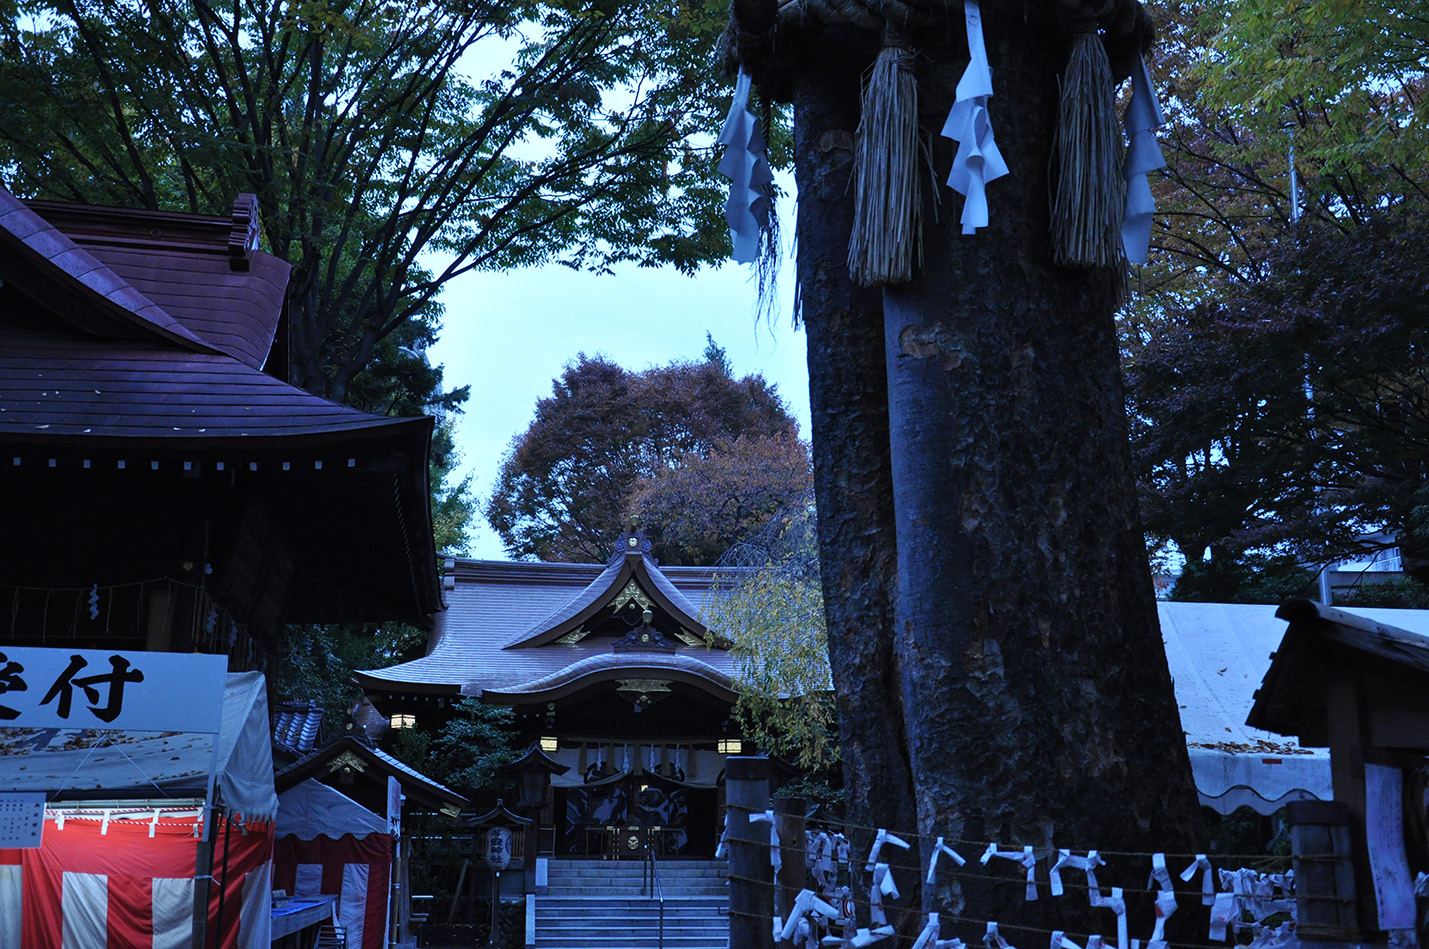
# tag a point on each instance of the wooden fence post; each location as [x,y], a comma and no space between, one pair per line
[751,878]
[792,876]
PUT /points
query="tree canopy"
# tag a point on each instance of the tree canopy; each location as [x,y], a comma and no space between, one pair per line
[1292,415]
[382,168]
[609,441]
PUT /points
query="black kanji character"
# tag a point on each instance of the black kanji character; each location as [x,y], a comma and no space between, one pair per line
[10,681]
[65,685]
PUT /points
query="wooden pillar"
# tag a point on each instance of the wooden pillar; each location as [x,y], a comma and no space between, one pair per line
[1345,726]
[751,878]
[792,876]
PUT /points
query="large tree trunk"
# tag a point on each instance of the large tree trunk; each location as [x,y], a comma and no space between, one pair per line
[1038,706]
[849,400]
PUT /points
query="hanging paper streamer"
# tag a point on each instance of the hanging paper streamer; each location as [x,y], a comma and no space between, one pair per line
[1165,906]
[884,837]
[978,160]
[1060,941]
[1208,884]
[806,902]
[1223,914]
[746,166]
[776,859]
[883,885]
[993,939]
[1025,857]
[1117,904]
[1143,156]
[941,848]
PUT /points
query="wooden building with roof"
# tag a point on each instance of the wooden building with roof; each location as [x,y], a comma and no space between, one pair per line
[162,485]
[610,670]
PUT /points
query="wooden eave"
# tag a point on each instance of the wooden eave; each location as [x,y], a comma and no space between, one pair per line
[319,764]
[1321,642]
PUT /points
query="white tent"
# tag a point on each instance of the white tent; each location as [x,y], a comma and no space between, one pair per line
[1218,653]
[311,809]
[157,764]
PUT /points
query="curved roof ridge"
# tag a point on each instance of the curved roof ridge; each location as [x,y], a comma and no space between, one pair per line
[624,567]
[588,600]
[47,245]
[618,665]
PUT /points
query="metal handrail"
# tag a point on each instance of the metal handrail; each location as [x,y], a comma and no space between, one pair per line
[656,890]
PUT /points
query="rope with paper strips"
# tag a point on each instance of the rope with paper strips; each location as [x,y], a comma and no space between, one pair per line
[1100,207]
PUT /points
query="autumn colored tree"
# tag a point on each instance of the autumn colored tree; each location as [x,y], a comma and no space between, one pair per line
[700,505]
[565,487]
[1292,414]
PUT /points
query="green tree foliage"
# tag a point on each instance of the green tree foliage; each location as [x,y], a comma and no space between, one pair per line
[566,483]
[477,741]
[1347,80]
[700,505]
[1293,414]
[1401,593]
[382,169]
[772,612]
[316,663]
[1247,578]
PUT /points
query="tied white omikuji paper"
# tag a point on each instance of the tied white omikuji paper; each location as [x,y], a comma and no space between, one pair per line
[978,160]
[1143,156]
[746,166]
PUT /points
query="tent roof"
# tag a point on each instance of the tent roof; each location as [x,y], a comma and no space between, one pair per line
[1218,653]
[311,809]
[144,765]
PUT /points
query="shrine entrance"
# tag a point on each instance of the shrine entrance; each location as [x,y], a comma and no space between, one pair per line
[618,818]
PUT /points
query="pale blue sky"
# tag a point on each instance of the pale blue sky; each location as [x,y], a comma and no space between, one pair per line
[507,335]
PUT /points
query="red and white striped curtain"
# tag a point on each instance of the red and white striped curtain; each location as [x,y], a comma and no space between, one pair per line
[356,869]
[129,884]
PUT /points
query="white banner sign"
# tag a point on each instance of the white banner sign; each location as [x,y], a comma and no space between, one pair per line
[106,689]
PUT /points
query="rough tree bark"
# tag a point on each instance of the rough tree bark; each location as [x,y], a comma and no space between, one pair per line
[848,397]
[1036,704]
[1027,629]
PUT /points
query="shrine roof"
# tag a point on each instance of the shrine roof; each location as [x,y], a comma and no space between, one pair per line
[95,369]
[490,604]
[203,271]
[416,785]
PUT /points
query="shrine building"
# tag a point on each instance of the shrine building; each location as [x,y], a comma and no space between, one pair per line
[618,688]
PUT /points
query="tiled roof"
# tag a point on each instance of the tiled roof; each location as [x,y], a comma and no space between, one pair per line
[489,602]
[297,726]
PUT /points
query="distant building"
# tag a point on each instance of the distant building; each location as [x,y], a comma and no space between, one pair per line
[610,670]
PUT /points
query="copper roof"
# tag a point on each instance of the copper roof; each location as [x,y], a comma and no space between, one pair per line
[477,647]
[415,784]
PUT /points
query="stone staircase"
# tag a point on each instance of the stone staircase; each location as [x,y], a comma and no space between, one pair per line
[598,904]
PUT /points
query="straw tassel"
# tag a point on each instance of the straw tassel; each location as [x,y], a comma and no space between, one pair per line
[888,203]
[1091,193]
